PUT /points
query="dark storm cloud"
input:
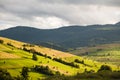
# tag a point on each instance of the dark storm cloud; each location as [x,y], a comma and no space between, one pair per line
[58,12]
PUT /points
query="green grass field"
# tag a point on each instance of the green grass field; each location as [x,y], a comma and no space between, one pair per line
[108,53]
[13,58]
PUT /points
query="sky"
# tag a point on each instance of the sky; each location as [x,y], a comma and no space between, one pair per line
[49,14]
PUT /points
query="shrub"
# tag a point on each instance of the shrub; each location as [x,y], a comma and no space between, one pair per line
[4,75]
[78,61]
[1,41]
[34,57]
[49,57]
[43,69]
[105,67]
[28,45]
[24,73]
[9,44]
[66,63]
[25,49]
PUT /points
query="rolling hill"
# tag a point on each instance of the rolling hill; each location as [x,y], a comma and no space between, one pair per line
[67,36]
[14,55]
[109,53]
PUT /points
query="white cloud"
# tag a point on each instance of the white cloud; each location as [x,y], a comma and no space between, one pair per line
[55,13]
[36,21]
[5,26]
[49,22]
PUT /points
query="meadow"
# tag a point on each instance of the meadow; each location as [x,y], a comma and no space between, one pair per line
[15,55]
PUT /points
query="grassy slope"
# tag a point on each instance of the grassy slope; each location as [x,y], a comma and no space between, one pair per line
[13,59]
[108,53]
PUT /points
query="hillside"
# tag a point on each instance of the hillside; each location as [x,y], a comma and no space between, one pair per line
[66,37]
[109,53]
[14,55]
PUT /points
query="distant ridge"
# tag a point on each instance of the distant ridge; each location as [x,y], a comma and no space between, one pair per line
[67,36]
[118,23]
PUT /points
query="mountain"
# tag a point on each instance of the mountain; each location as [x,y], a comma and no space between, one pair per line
[118,23]
[67,36]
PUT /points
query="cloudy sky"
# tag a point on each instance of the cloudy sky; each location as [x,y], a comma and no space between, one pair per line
[47,14]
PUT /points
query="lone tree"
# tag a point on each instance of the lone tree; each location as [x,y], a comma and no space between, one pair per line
[34,57]
[24,73]
[1,41]
[105,67]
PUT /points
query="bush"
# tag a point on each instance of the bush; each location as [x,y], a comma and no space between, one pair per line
[37,53]
[24,73]
[105,67]
[34,57]
[9,44]
[102,75]
[78,61]
[28,45]
[49,57]
[4,75]
[66,63]
[1,41]
[25,49]
[43,69]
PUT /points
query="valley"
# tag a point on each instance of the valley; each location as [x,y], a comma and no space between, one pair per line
[59,39]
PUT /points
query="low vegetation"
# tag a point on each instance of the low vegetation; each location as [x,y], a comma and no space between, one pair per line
[1,41]
[66,63]
[45,62]
[34,57]
[108,53]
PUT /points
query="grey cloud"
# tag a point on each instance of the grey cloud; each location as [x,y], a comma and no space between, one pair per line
[87,2]
[72,11]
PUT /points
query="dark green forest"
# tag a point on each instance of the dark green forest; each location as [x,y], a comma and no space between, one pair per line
[66,37]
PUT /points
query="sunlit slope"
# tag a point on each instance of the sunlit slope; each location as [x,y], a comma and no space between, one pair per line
[41,49]
[108,53]
[13,57]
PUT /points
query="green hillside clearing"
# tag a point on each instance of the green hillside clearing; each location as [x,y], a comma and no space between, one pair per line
[13,57]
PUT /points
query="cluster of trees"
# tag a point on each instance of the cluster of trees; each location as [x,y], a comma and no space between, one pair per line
[43,69]
[1,41]
[9,44]
[79,61]
[37,53]
[34,57]
[104,73]
[105,67]
[5,75]
[28,45]
[89,76]
[24,73]
[25,49]
[66,63]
